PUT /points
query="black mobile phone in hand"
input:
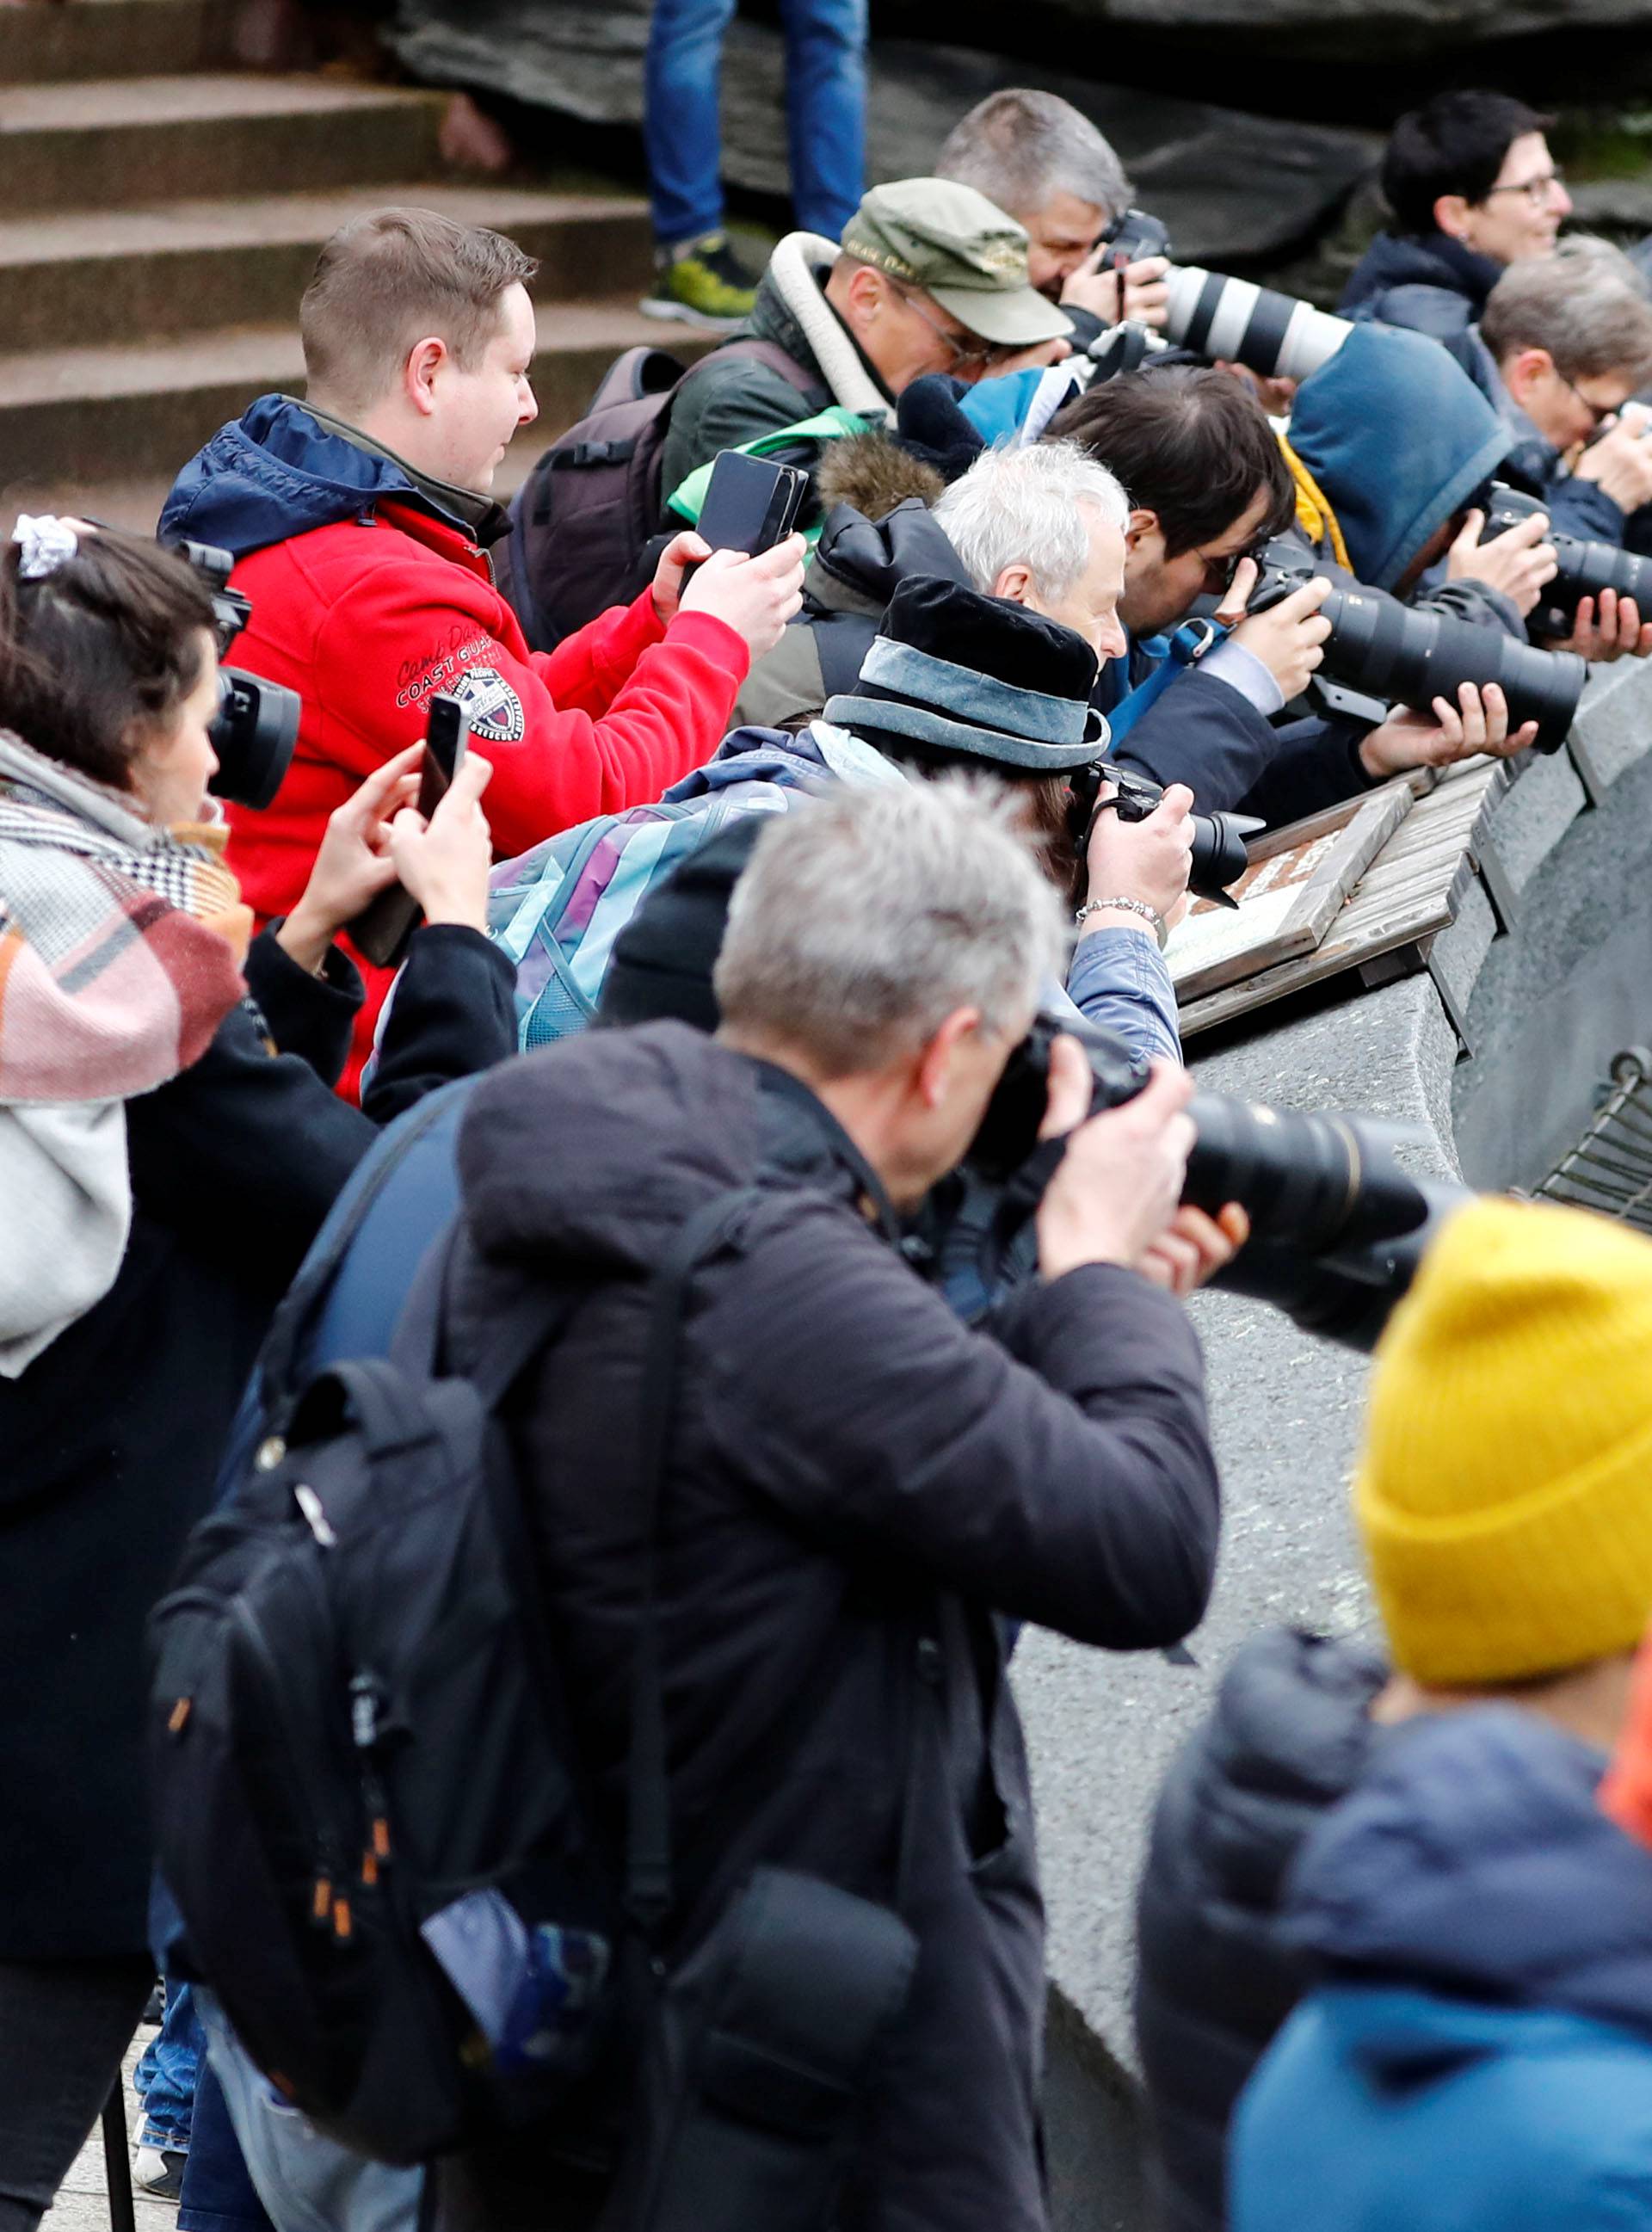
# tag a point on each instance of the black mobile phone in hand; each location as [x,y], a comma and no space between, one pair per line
[381,931]
[751,504]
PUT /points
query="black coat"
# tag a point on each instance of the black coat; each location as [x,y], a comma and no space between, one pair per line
[855,1483]
[111,1436]
[1289,1736]
[1428,281]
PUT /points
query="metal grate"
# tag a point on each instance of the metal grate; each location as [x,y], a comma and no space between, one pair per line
[1609,1170]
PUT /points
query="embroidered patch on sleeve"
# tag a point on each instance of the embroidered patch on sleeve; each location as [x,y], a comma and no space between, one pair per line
[496,710]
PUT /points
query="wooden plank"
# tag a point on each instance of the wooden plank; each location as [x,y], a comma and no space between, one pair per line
[1288,897]
[1410,892]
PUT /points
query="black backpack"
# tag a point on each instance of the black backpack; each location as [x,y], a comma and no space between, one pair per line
[582,521]
[367,1803]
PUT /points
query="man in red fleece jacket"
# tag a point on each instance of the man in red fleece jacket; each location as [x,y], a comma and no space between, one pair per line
[359,522]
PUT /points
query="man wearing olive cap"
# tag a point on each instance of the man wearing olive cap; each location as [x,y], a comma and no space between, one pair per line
[928,277]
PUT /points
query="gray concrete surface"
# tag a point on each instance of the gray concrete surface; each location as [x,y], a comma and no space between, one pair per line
[1286,1408]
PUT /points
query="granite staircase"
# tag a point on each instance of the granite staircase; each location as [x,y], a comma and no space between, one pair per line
[160,212]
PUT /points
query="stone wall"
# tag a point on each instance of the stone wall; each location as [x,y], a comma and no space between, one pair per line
[1286,1408]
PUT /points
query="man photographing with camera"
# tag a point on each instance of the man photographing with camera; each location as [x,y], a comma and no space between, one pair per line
[854,1484]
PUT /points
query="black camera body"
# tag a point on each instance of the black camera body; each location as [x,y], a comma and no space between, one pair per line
[1586,568]
[1219,855]
[1405,656]
[1337,1227]
[1132,236]
[255,728]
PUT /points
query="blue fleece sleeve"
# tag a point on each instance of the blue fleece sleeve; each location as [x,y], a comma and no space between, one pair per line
[1120,982]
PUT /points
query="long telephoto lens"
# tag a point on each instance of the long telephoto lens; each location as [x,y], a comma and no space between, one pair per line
[1410,658]
[253,733]
[1314,1182]
[1273,334]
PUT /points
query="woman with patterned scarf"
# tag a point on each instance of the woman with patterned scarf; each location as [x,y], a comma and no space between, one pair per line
[163,1170]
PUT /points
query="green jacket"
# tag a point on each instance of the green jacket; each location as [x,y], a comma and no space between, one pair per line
[737,399]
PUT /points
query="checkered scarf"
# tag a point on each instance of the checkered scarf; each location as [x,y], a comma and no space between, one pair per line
[120,942]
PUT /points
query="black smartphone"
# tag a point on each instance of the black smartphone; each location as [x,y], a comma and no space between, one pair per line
[751,504]
[380,933]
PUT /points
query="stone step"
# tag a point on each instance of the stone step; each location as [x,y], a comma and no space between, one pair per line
[115,142]
[186,267]
[86,416]
[110,38]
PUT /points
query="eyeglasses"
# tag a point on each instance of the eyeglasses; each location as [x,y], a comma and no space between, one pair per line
[1598,412]
[977,353]
[1539,191]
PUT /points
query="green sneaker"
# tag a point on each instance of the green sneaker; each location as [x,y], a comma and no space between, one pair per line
[703,283]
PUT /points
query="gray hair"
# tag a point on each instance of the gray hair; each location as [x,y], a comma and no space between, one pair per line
[864,919]
[1584,303]
[1033,507]
[1020,148]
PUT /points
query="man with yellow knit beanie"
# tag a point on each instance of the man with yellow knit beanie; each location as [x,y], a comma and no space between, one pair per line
[1484,1933]
[1478,2051]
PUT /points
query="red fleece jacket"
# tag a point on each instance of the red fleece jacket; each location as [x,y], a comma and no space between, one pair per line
[366,618]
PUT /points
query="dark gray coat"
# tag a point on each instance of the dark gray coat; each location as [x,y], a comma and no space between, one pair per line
[856,1483]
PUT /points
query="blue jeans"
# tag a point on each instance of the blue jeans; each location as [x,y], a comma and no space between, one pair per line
[306,2181]
[164,2078]
[826,112]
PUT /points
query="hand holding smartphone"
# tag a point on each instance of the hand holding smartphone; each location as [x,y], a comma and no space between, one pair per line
[751,504]
[380,933]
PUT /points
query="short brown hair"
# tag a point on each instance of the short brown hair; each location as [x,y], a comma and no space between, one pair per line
[1190,443]
[385,280]
[99,653]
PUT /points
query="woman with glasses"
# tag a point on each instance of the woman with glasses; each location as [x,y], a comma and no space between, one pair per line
[1473,189]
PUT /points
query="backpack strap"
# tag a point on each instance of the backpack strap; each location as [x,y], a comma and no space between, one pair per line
[519,1338]
[767,353]
[279,1380]
[648,1893]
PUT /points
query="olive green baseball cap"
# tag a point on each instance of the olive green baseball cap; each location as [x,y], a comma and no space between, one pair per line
[963,251]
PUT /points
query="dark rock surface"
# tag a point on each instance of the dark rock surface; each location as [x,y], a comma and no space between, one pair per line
[1230,187]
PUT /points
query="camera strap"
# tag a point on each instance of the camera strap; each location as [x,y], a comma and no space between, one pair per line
[1184,647]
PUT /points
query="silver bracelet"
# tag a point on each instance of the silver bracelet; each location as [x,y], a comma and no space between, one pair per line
[1161,928]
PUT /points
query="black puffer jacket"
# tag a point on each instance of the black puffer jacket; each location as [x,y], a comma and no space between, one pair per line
[857,566]
[1289,1736]
[856,1483]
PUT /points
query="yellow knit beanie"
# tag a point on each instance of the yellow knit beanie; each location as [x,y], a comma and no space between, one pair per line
[1505,1488]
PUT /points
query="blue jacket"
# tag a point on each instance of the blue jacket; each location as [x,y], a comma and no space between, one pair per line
[1481,2052]
[1432,283]
[1399,439]
[277,472]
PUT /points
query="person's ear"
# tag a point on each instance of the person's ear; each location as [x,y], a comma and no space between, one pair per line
[1014,584]
[1524,369]
[1452,215]
[937,1057]
[420,370]
[864,297]
[1139,529]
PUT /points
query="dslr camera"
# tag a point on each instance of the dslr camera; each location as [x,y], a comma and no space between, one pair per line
[1337,1228]
[1275,336]
[1219,855]
[255,727]
[1409,656]
[1585,568]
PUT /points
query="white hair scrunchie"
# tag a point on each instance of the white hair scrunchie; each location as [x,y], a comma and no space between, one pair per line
[46,542]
